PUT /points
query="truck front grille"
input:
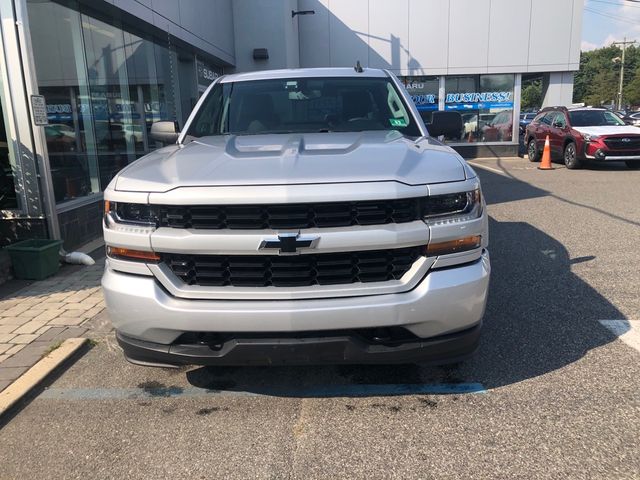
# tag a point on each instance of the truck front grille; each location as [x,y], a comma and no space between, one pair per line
[293,271]
[296,215]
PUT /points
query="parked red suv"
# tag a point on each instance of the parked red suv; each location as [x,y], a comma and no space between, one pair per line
[580,134]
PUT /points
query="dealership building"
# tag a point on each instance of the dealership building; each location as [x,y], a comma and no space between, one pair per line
[81,82]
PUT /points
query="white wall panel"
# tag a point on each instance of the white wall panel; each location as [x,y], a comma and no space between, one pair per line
[169,9]
[389,34]
[265,24]
[443,36]
[469,33]
[550,41]
[576,34]
[314,34]
[348,32]
[509,33]
[205,24]
[428,36]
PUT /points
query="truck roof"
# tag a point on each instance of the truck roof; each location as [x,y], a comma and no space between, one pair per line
[304,73]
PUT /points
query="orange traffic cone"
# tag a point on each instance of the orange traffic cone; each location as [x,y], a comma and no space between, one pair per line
[545,163]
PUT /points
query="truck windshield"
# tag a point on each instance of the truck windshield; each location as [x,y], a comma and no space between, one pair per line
[303,105]
[593,118]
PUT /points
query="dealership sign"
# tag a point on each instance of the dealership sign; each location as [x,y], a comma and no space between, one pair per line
[464,101]
[425,101]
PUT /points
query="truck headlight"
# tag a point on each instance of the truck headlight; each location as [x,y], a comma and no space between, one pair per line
[590,138]
[452,207]
[131,214]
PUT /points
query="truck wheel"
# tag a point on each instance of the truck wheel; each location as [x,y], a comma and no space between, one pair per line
[633,165]
[571,156]
[532,151]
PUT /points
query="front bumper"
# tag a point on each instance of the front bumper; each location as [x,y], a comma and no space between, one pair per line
[149,320]
[318,349]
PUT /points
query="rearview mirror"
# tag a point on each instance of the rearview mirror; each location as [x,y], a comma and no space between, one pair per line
[448,124]
[165,132]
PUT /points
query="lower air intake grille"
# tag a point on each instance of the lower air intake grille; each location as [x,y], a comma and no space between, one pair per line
[294,270]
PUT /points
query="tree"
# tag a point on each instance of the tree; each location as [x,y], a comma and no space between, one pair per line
[632,90]
[532,95]
[597,81]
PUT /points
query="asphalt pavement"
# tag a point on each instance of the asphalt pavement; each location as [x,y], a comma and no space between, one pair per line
[552,393]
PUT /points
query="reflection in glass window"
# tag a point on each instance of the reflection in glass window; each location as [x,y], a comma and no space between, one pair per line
[143,91]
[56,39]
[459,96]
[424,92]
[8,198]
[485,103]
[109,87]
[104,87]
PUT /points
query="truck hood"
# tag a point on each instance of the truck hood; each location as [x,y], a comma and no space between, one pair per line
[609,130]
[287,159]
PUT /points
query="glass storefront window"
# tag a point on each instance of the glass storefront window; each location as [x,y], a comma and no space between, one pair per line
[143,91]
[109,88]
[485,103]
[60,69]
[424,92]
[104,87]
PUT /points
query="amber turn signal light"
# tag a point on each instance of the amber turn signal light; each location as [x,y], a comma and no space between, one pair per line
[136,255]
[454,246]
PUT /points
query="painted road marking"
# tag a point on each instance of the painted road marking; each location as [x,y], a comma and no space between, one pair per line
[485,167]
[321,391]
[626,330]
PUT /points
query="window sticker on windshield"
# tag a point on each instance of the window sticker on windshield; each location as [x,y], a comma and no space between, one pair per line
[398,122]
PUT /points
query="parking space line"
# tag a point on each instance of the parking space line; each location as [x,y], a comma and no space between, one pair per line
[485,167]
[626,330]
[321,391]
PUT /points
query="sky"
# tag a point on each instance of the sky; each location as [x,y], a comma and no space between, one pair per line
[606,21]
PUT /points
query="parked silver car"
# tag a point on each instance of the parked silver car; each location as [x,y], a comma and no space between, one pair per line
[301,216]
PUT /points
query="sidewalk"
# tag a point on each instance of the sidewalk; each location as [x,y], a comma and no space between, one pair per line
[38,317]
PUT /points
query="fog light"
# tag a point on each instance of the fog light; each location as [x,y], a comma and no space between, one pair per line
[600,154]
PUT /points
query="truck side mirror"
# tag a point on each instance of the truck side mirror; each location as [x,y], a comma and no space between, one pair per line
[448,124]
[165,132]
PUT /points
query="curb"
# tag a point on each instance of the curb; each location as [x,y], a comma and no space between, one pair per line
[36,374]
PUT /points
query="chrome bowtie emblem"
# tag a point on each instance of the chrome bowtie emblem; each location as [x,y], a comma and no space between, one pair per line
[289,243]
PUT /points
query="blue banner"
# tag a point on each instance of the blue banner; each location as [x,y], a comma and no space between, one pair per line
[479,106]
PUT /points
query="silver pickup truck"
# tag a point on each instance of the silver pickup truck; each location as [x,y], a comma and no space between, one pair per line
[301,216]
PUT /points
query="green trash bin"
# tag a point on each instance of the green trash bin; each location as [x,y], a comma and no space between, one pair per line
[35,259]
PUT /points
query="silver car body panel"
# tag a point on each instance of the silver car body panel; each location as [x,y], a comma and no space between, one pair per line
[445,301]
[294,159]
[436,296]
[330,240]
